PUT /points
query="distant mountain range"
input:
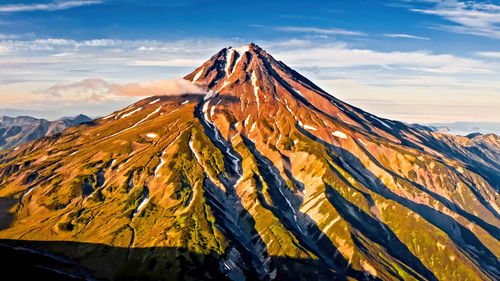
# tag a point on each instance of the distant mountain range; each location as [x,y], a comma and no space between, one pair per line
[15,131]
[465,128]
[263,176]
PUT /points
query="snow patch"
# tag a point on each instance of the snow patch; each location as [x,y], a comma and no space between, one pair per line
[255,89]
[143,203]
[28,192]
[242,50]
[151,135]
[133,126]
[130,113]
[238,60]
[229,55]
[155,101]
[224,85]
[131,181]
[209,95]
[193,151]
[212,111]
[149,115]
[340,116]
[339,134]
[297,92]
[247,120]
[253,127]
[289,110]
[162,162]
[109,116]
[204,109]
[310,127]
[197,76]
[381,122]
[362,142]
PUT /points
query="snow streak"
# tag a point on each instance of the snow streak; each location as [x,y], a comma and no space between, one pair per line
[255,89]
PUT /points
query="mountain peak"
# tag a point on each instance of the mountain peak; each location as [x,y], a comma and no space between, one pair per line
[245,48]
[253,76]
[224,63]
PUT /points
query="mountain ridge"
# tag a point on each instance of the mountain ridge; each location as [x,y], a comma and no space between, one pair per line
[15,131]
[264,166]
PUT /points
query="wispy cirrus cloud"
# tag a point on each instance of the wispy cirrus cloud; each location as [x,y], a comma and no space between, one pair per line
[109,51]
[468,17]
[296,52]
[328,31]
[495,55]
[52,6]
[401,35]
[341,55]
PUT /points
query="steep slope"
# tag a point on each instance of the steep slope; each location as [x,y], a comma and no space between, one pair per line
[265,177]
[15,131]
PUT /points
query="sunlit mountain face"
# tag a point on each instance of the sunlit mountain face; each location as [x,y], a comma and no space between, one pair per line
[265,176]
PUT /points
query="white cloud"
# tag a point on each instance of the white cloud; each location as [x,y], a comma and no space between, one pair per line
[332,31]
[53,6]
[340,55]
[89,90]
[3,49]
[8,36]
[399,35]
[95,90]
[107,53]
[288,44]
[495,55]
[469,17]
[348,72]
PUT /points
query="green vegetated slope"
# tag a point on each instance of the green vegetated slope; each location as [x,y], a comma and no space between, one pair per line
[265,177]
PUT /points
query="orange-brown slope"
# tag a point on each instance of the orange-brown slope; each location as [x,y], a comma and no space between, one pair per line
[264,166]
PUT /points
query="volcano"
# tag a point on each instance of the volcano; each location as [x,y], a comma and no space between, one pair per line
[264,177]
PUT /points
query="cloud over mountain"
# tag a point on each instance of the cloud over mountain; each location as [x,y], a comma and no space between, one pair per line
[97,89]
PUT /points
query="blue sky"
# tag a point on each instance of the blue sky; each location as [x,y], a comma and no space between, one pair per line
[415,61]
